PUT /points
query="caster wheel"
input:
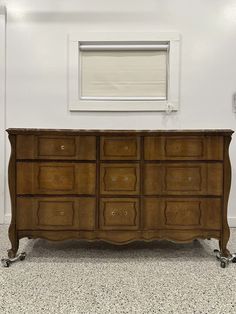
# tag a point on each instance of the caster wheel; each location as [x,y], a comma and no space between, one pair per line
[222,264]
[5,263]
[234,260]
[22,256]
[216,251]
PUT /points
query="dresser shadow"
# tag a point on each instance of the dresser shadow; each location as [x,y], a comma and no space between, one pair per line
[73,251]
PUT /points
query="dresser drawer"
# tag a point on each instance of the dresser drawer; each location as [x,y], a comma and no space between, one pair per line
[56,147]
[120,148]
[119,179]
[183,178]
[51,213]
[119,214]
[181,213]
[56,178]
[183,148]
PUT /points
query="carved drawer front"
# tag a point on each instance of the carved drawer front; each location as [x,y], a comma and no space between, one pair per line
[56,147]
[120,148]
[119,214]
[119,179]
[183,148]
[183,179]
[56,178]
[55,213]
[182,213]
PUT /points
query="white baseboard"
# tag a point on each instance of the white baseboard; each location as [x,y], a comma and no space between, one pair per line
[231,220]
[7,219]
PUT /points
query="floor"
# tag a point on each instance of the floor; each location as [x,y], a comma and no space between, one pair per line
[99,278]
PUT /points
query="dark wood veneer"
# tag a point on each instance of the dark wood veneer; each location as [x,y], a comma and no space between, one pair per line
[119,185]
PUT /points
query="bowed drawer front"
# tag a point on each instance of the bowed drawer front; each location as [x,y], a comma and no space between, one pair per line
[56,147]
[183,148]
[54,213]
[119,186]
[56,178]
[182,213]
[183,179]
[120,179]
[117,214]
[120,148]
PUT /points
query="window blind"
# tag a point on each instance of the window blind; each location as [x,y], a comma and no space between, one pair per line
[123,73]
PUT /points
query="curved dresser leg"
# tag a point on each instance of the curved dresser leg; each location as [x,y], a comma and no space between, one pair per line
[12,253]
[223,244]
[223,255]
[12,232]
[14,242]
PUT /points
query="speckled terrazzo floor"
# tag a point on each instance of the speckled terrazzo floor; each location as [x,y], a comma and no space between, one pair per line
[94,278]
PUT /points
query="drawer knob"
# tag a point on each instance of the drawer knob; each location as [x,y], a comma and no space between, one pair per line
[62,147]
[125,213]
[113,213]
[126,147]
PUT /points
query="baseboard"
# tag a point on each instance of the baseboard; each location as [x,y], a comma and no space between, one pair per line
[7,219]
[231,220]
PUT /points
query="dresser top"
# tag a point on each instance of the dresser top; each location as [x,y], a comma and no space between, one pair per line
[117,132]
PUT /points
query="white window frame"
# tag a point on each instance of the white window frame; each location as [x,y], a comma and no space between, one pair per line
[77,103]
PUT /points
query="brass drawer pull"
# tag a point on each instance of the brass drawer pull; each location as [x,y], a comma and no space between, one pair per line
[60,213]
[62,147]
[119,212]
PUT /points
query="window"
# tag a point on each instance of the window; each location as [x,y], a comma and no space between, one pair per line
[120,72]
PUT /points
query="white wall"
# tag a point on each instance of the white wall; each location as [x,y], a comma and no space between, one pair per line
[37,63]
[2,108]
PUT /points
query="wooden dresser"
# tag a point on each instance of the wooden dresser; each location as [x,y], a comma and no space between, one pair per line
[119,186]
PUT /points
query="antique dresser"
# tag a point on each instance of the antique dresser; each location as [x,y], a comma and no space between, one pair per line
[119,186]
